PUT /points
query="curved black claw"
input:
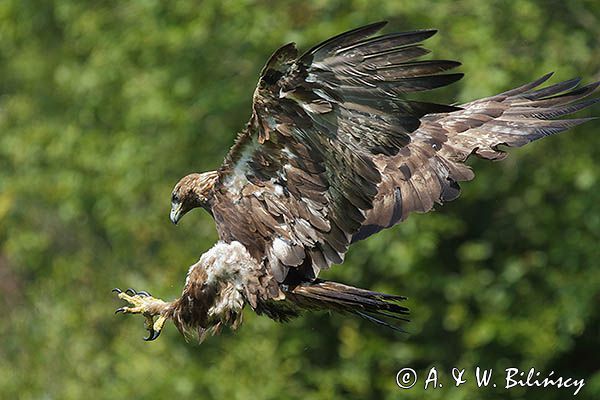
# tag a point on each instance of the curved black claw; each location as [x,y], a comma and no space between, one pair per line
[120,310]
[130,291]
[144,293]
[117,290]
[152,335]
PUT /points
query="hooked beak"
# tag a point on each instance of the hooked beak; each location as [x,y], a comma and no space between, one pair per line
[175,213]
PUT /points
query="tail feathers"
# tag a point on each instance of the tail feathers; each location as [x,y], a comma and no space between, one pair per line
[380,308]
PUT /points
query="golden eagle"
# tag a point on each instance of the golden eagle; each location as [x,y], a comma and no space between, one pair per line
[333,153]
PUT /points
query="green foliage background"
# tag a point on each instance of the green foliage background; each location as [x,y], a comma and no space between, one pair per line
[104,105]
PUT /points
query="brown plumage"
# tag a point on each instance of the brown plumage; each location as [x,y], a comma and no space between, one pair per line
[192,191]
[333,153]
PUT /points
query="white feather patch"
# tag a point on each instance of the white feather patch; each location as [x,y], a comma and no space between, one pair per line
[236,181]
[229,267]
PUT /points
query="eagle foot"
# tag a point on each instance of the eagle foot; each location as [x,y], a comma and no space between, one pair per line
[143,303]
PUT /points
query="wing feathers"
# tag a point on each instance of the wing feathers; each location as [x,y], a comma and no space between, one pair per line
[420,83]
[393,56]
[385,43]
[428,170]
[564,98]
[526,87]
[417,68]
[549,112]
[334,152]
[341,40]
[551,90]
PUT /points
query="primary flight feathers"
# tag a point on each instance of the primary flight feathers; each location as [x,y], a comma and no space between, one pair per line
[333,153]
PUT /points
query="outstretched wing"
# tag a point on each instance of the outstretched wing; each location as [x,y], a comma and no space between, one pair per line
[297,184]
[427,171]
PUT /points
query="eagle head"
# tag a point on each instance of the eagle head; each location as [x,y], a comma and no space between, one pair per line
[193,190]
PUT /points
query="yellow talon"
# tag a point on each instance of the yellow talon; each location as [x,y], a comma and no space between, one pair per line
[150,307]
